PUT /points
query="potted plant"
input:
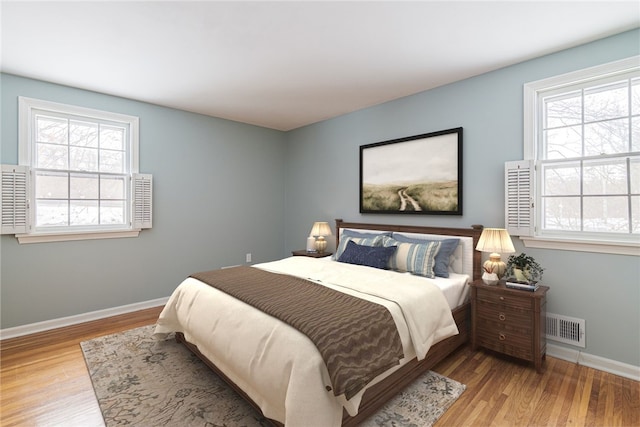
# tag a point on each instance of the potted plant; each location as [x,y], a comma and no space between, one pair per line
[524,268]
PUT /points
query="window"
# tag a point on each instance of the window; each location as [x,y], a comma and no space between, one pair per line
[582,141]
[81,175]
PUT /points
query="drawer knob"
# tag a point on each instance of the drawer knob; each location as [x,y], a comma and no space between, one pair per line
[502,337]
[501,298]
[502,317]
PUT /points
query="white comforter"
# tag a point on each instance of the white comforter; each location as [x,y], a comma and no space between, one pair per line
[279,367]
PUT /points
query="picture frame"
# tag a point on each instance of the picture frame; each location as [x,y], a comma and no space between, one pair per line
[420,174]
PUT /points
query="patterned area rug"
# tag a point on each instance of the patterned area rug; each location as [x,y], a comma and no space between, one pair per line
[142,382]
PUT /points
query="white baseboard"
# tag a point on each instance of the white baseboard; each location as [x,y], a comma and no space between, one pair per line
[595,362]
[79,318]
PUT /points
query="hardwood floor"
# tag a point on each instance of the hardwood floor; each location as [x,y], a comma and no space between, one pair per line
[503,391]
[43,377]
[44,382]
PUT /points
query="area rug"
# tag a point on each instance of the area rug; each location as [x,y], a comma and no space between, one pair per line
[143,382]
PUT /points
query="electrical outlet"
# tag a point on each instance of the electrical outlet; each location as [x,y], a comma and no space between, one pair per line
[249,257]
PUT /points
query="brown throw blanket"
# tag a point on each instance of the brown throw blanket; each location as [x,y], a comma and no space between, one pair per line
[357,339]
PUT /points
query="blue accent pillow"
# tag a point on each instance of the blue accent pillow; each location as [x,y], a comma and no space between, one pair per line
[368,240]
[352,233]
[371,256]
[442,259]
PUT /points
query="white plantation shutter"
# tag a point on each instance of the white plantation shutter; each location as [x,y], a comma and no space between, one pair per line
[15,200]
[142,200]
[518,178]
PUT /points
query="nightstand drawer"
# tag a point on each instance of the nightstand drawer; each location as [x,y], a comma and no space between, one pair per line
[505,321]
[503,313]
[516,301]
[507,343]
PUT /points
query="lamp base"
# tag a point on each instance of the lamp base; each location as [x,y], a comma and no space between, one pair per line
[495,265]
[321,244]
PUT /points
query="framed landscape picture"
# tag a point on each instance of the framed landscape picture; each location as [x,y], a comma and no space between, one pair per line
[420,174]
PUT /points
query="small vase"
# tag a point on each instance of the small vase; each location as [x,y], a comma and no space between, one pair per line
[311,244]
[490,278]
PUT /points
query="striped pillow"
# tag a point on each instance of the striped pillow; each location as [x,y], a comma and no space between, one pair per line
[363,241]
[416,258]
[443,257]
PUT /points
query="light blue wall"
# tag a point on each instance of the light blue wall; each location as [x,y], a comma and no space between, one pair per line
[216,184]
[323,178]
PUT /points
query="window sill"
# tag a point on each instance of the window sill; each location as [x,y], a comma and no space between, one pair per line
[617,248]
[65,237]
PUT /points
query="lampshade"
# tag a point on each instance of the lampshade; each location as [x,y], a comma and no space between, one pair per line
[319,230]
[497,241]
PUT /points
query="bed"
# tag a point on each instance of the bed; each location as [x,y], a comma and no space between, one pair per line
[282,373]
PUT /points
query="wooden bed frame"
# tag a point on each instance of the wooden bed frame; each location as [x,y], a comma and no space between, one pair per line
[376,396]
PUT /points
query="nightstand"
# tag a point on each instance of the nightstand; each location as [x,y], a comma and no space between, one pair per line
[509,321]
[310,254]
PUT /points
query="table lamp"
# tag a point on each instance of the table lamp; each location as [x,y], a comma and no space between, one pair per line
[319,231]
[496,241]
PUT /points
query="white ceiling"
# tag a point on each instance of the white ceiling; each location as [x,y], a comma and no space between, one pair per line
[283,65]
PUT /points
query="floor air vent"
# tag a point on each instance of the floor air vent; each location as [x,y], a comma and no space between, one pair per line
[568,330]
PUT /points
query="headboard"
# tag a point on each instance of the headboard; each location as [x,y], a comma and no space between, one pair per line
[474,232]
